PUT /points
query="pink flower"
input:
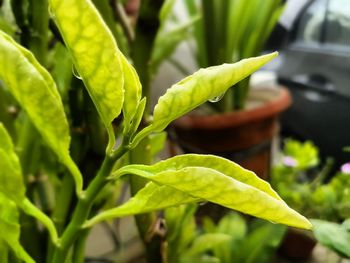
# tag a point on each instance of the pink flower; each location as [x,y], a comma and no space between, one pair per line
[289,161]
[345,168]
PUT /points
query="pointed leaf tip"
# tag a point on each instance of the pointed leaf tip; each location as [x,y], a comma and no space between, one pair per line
[202,86]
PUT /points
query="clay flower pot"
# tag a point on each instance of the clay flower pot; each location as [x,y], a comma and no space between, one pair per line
[241,136]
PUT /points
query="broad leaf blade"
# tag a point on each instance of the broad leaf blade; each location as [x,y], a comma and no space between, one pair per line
[10,228]
[36,92]
[217,163]
[333,235]
[207,241]
[95,55]
[11,182]
[150,198]
[214,186]
[202,86]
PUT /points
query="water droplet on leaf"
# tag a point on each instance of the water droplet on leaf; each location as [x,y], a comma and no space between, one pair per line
[76,73]
[217,98]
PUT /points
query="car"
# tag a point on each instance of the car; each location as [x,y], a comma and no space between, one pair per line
[315,65]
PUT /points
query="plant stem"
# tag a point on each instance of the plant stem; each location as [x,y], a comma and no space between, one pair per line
[17,7]
[82,210]
[39,21]
[64,197]
[61,210]
[146,31]
[79,247]
[32,210]
[124,21]
[4,253]
[142,155]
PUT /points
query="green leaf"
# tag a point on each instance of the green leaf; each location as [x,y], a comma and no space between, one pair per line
[11,182]
[247,196]
[137,117]
[36,92]
[133,90]
[202,86]
[234,225]
[157,142]
[208,241]
[166,11]
[166,42]
[260,245]
[181,229]
[10,228]
[217,163]
[95,55]
[305,153]
[199,259]
[150,198]
[332,235]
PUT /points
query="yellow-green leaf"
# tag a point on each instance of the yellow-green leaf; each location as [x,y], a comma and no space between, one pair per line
[217,163]
[36,92]
[202,86]
[10,228]
[224,189]
[150,198]
[95,55]
[133,90]
[11,182]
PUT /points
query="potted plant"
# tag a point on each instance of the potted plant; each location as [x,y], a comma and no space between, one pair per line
[55,178]
[232,239]
[241,123]
[298,180]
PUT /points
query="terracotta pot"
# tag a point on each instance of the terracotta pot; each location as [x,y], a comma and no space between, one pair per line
[297,245]
[242,136]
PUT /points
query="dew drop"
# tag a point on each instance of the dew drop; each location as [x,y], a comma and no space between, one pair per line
[217,98]
[75,73]
[273,222]
[202,203]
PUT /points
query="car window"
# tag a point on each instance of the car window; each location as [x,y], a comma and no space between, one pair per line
[311,23]
[338,23]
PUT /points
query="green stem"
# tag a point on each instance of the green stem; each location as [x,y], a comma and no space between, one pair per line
[142,155]
[64,199]
[45,192]
[79,247]
[4,253]
[61,210]
[82,210]
[18,8]
[181,68]
[145,34]
[124,22]
[39,24]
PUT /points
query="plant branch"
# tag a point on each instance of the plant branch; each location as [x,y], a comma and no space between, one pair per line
[32,210]
[124,21]
[84,205]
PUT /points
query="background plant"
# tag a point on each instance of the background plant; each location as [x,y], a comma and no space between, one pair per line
[229,31]
[309,189]
[76,171]
[233,239]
